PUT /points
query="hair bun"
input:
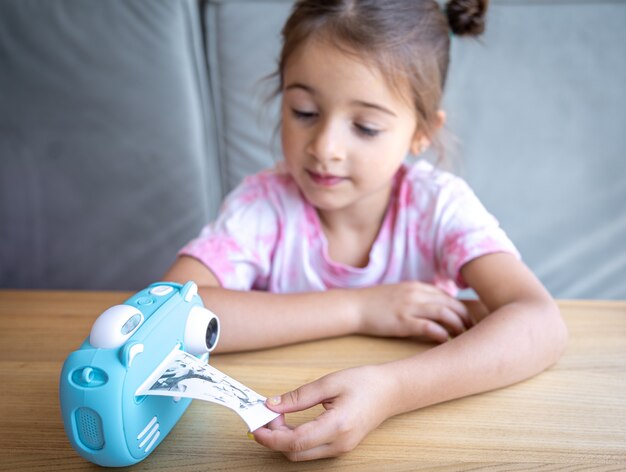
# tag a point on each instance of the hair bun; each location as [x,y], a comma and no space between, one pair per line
[467,17]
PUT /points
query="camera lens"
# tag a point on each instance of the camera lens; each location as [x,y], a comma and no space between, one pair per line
[212,334]
[202,331]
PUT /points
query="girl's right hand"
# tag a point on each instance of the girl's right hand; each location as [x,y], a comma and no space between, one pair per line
[411,309]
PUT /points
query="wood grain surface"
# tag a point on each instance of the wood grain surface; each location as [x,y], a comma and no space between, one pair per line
[571,417]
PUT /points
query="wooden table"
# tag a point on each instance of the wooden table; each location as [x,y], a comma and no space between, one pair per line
[572,417]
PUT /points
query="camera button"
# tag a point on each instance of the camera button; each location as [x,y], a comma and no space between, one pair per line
[144,301]
[161,290]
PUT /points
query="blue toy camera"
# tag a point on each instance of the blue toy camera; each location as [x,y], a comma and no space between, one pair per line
[106,422]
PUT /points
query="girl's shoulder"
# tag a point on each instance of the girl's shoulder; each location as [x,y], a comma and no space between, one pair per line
[428,175]
[429,182]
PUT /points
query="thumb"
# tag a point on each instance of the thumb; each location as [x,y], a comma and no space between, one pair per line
[299,399]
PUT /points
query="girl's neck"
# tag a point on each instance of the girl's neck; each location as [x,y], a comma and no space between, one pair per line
[363,216]
[352,231]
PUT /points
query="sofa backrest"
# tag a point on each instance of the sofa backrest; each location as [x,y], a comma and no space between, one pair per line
[108,160]
[123,124]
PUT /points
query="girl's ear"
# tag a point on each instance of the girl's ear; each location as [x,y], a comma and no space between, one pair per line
[441,118]
[420,141]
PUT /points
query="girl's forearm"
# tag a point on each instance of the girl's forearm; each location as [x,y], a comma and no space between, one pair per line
[255,320]
[512,344]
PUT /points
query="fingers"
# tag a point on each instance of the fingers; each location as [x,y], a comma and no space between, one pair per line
[285,439]
[431,330]
[451,321]
[312,440]
[302,398]
[433,322]
[440,315]
[328,435]
[442,300]
[290,444]
[351,400]
[277,423]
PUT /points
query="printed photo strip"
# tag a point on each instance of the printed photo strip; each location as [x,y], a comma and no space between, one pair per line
[184,375]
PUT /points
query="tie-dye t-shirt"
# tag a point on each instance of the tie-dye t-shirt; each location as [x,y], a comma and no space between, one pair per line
[268,237]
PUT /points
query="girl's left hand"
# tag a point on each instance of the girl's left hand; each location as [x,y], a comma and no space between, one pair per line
[356,401]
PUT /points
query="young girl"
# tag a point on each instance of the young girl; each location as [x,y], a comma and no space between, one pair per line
[344,237]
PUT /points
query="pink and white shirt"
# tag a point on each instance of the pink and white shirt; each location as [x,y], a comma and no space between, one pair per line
[268,237]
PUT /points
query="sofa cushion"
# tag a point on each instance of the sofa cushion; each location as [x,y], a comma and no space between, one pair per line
[107,156]
[243,41]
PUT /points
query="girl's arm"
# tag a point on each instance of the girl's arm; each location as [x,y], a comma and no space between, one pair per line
[523,335]
[254,320]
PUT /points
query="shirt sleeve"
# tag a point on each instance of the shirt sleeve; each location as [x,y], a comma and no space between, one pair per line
[237,247]
[466,231]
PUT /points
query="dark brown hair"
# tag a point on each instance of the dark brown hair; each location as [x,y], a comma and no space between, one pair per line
[407,40]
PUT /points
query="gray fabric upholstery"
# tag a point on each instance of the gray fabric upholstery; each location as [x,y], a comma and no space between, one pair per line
[107,159]
[243,54]
[116,145]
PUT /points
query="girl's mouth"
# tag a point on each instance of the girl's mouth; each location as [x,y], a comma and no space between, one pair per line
[325,180]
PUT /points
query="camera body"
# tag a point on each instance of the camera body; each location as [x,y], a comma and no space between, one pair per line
[105,421]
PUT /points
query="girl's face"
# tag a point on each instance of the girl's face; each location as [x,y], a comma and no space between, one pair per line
[345,132]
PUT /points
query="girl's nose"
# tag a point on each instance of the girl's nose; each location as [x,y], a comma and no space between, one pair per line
[327,142]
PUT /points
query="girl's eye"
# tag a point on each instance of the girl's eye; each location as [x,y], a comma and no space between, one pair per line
[303,115]
[367,131]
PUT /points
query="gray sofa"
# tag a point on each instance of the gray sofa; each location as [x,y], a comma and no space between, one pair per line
[123,124]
